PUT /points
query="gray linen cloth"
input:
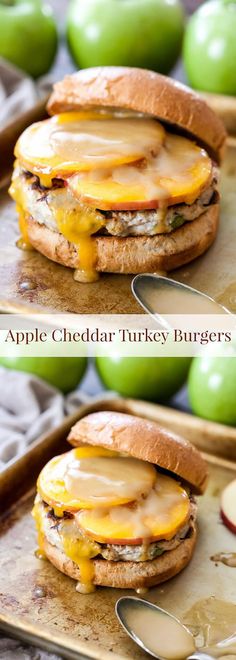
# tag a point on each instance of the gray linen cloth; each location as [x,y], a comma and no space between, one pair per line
[28,408]
[18,92]
[10,649]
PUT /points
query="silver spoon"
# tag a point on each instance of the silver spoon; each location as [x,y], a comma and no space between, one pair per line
[161,296]
[151,628]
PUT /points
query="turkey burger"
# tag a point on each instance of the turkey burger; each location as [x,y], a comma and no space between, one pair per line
[118,510]
[123,178]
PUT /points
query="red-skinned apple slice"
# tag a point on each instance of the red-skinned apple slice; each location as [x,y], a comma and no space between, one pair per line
[111,541]
[178,174]
[158,516]
[228,506]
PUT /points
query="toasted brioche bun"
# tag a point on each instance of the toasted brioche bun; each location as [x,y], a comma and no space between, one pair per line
[142,439]
[134,254]
[142,91]
[128,574]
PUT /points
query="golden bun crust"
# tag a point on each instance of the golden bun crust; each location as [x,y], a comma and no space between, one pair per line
[128,574]
[141,91]
[145,440]
[134,254]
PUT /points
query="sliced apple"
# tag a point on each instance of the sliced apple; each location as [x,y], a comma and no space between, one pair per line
[158,516]
[228,506]
[63,145]
[108,194]
[92,478]
[179,173]
[51,481]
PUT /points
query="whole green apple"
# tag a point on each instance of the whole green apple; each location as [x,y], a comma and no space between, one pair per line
[61,372]
[209,49]
[212,388]
[153,379]
[28,35]
[140,33]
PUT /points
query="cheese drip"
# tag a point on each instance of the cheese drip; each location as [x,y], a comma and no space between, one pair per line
[77,226]
[79,550]
[17,194]
[36,513]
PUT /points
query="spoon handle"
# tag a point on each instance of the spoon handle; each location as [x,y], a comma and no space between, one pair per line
[200,656]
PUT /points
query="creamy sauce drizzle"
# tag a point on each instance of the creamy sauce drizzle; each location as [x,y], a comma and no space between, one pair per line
[102,479]
[157,516]
[67,143]
[227,558]
[177,174]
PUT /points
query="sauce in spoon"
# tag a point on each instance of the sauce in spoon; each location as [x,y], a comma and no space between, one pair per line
[159,632]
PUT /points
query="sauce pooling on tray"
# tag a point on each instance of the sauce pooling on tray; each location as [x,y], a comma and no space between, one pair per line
[227,558]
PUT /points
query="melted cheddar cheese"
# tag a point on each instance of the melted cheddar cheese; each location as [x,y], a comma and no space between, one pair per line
[81,552]
[77,226]
[16,193]
[36,513]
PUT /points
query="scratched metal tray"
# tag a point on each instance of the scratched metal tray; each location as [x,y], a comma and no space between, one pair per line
[31,282]
[40,605]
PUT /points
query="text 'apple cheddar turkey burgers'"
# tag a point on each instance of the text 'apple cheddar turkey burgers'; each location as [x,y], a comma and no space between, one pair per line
[123,178]
[118,510]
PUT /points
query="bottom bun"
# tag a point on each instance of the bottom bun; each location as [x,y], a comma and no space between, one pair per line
[132,254]
[128,574]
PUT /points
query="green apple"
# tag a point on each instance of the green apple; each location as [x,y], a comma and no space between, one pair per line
[28,35]
[210,47]
[153,379]
[142,33]
[212,388]
[63,373]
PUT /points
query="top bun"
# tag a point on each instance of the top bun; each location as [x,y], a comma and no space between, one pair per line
[142,439]
[141,91]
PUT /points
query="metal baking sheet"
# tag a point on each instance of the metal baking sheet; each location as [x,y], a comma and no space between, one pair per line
[30,282]
[39,604]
